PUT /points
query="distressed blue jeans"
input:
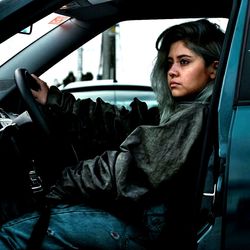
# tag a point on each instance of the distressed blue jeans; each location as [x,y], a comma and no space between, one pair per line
[83,227]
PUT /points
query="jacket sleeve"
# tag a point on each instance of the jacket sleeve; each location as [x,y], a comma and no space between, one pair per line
[148,160]
[95,126]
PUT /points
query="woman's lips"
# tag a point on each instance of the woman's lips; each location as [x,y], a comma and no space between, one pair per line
[174,84]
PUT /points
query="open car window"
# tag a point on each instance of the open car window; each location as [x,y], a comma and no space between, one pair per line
[134,52]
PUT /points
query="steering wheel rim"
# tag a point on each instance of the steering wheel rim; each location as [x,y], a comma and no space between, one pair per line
[35,111]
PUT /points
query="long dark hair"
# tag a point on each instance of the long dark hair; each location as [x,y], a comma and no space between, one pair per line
[202,37]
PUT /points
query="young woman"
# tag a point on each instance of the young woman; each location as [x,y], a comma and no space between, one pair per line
[126,198]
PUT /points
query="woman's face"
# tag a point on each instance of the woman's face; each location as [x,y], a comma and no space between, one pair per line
[187,73]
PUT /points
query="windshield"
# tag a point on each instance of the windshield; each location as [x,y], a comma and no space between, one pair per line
[19,41]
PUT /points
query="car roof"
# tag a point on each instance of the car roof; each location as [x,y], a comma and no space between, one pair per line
[17,15]
[105,84]
[141,9]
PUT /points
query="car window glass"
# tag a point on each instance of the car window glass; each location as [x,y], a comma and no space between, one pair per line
[244,90]
[119,97]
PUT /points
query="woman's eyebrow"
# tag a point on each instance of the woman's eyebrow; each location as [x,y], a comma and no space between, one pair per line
[184,55]
[180,56]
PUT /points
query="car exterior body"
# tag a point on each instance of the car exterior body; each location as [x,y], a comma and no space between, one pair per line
[226,225]
[120,94]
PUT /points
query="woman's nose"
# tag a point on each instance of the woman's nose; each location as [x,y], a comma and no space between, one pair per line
[173,71]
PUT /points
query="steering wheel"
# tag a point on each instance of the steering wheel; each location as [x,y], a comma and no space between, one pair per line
[25,82]
[56,152]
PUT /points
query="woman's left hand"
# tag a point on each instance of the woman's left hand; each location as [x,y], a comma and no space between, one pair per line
[41,94]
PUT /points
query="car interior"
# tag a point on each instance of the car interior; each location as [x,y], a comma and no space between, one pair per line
[85,20]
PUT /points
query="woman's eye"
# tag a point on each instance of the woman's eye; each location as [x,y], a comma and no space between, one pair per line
[184,62]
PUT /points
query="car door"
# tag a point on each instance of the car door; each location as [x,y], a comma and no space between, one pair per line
[234,138]
[228,221]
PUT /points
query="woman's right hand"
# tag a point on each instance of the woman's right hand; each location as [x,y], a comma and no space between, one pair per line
[41,94]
